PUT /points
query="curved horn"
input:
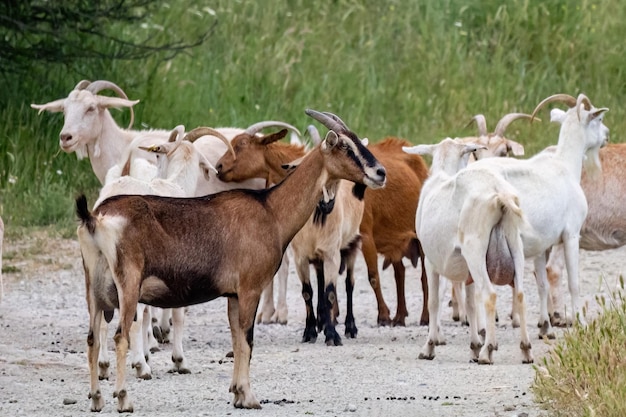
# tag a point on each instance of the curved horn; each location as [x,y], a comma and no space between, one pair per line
[563,98]
[177,134]
[82,85]
[582,99]
[257,127]
[314,133]
[203,131]
[326,120]
[506,121]
[481,123]
[336,118]
[97,86]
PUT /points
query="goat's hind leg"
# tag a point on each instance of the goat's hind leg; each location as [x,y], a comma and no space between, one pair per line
[434,336]
[93,348]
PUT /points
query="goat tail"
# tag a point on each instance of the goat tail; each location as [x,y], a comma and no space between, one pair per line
[512,215]
[83,213]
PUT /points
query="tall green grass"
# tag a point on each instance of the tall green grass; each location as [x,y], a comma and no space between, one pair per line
[415,69]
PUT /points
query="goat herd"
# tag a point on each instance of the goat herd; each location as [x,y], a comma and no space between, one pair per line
[209,196]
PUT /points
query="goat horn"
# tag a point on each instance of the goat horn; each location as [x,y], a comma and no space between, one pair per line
[481,123]
[583,99]
[506,121]
[564,98]
[82,85]
[314,133]
[97,86]
[337,119]
[203,131]
[177,133]
[257,127]
[329,122]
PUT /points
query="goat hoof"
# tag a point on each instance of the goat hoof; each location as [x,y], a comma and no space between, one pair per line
[384,321]
[333,339]
[351,332]
[158,335]
[427,356]
[399,321]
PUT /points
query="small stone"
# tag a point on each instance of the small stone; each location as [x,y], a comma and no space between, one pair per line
[352,407]
[69,401]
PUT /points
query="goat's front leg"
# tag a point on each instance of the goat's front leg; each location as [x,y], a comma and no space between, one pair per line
[542,287]
[351,329]
[571,247]
[103,355]
[138,340]
[178,356]
[267,305]
[329,304]
[280,315]
[128,309]
[310,329]
[368,247]
[241,313]
[93,348]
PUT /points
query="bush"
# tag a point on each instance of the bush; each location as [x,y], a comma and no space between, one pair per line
[585,374]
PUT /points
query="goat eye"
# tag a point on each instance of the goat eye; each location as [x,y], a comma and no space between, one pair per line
[91,109]
[343,146]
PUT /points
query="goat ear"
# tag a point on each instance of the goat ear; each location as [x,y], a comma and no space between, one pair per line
[163,148]
[419,149]
[515,148]
[292,165]
[330,141]
[472,147]
[114,102]
[53,107]
[597,113]
[273,137]
[557,115]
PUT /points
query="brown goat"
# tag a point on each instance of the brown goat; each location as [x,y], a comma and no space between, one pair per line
[328,241]
[173,252]
[388,225]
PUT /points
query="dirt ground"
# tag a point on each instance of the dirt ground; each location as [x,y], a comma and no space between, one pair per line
[43,366]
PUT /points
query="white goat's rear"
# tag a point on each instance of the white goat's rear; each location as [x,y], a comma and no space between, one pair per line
[469,225]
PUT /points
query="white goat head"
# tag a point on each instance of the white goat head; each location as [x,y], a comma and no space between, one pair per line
[449,156]
[496,144]
[85,113]
[582,118]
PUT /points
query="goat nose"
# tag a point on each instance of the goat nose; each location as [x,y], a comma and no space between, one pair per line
[381,172]
[219,168]
[66,137]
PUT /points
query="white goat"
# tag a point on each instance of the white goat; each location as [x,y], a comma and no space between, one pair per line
[178,162]
[493,144]
[208,243]
[90,131]
[548,186]
[469,225]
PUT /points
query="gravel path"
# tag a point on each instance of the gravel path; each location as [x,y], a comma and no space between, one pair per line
[43,367]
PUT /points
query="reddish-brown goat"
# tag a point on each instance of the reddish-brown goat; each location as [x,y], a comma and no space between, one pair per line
[388,225]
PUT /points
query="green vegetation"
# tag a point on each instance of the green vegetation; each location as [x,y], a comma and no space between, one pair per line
[414,69]
[585,375]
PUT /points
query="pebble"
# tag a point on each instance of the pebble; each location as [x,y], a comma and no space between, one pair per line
[351,407]
[69,401]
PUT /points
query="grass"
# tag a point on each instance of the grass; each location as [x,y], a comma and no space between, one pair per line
[417,70]
[585,374]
